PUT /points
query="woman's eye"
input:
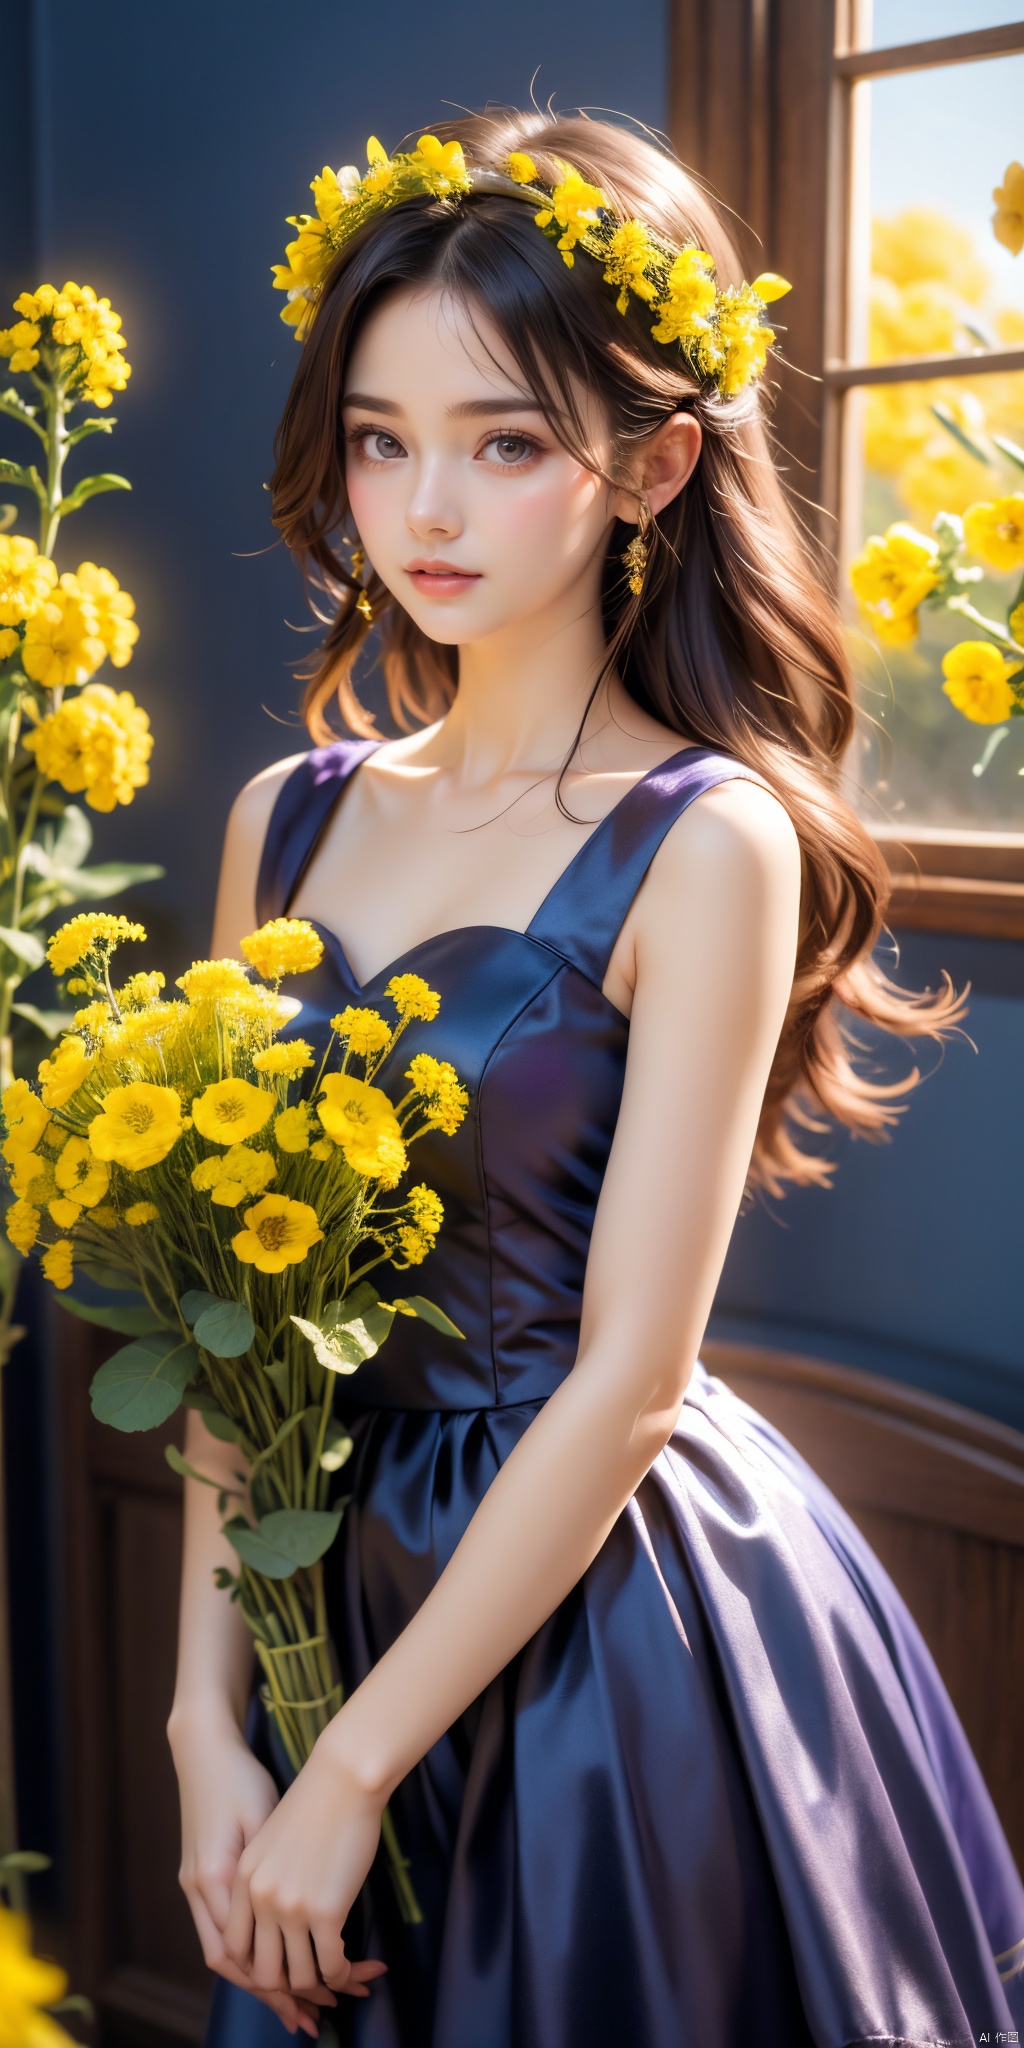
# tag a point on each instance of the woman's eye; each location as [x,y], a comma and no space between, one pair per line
[510,449]
[378,446]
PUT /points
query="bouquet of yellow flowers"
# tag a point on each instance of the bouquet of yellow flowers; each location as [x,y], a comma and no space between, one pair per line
[245,1190]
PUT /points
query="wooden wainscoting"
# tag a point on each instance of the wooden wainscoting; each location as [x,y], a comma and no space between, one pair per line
[939,1493]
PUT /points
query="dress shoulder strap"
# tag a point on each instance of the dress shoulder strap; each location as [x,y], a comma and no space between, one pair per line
[584,913]
[303,805]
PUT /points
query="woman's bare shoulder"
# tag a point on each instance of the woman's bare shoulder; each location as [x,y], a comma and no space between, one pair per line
[250,812]
[733,854]
[246,831]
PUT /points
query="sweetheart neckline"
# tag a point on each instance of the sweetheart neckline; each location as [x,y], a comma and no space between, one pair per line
[505,931]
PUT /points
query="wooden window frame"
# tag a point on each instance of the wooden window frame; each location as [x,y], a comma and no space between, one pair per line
[763,106]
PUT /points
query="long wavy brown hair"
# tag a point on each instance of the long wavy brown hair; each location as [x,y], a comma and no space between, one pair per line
[734,642]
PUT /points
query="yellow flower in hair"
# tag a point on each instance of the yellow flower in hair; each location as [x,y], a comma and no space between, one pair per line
[743,340]
[891,576]
[79,1173]
[521,168]
[441,164]
[770,286]
[413,997]
[278,1233]
[57,1263]
[26,579]
[228,1111]
[685,311]
[977,681]
[289,1059]
[22,1225]
[630,254]
[365,1030]
[137,1126]
[92,931]
[575,208]
[361,1120]
[62,1075]
[286,945]
[995,531]
[380,169]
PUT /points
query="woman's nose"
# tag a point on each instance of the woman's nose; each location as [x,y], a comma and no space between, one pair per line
[432,507]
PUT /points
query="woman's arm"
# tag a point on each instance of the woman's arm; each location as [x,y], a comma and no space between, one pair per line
[715,933]
[225,1794]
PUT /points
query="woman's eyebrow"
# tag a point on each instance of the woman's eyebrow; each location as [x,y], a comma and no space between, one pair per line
[466,409]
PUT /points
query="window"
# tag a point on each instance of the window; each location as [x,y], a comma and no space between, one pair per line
[865,152]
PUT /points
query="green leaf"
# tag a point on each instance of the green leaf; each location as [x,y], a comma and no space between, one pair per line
[278,1374]
[186,1471]
[89,487]
[12,403]
[283,1541]
[214,1418]
[227,1329]
[25,946]
[143,1384]
[341,1349]
[24,477]
[129,1322]
[363,1304]
[25,1859]
[337,1449]
[76,2001]
[90,426]
[193,1303]
[428,1312]
[290,1422]
[1009,449]
[52,1022]
[74,838]
[116,1277]
[78,884]
[948,419]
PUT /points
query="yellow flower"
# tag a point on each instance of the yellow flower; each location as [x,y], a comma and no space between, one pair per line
[890,578]
[630,254]
[78,1172]
[139,990]
[80,321]
[137,1126]
[361,1120]
[57,1262]
[228,1111]
[26,579]
[290,1058]
[365,1030]
[98,742]
[230,1175]
[205,980]
[426,1209]
[521,168]
[9,642]
[1008,219]
[291,1129]
[686,310]
[61,1075]
[27,1986]
[64,1211]
[19,344]
[741,341]
[141,1212]
[114,609]
[23,1166]
[22,1225]
[95,1020]
[942,478]
[278,1233]
[323,1149]
[1016,623]
[441,165]
[24,1111]
[439,1085]
[380,171]
[976,681]
[911,320]
[574,207]
[920,244]
[62,640]
[140,1031]
[287,945]
[995,531]
[105,1215]
[413,997]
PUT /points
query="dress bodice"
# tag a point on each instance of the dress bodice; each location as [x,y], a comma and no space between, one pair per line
[542,1053]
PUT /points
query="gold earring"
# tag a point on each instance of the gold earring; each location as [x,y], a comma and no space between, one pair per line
[363,605]
[636,556]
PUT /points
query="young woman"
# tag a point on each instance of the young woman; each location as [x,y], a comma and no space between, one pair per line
[667,1753]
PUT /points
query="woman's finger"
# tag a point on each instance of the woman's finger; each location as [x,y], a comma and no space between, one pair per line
[268,1971]
[240,1925]
[303,1975]
[294,2013]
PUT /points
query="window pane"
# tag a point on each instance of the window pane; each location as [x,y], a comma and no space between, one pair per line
[947,272]
[916,21]
[917,451]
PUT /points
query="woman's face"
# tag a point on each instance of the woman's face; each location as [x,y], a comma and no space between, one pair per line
[470,510]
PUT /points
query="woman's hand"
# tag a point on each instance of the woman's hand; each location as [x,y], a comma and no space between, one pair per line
[225,1798]
[297,1881]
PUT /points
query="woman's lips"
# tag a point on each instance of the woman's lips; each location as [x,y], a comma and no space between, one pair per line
[440,579]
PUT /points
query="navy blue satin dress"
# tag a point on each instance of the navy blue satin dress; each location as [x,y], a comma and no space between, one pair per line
[721,1798]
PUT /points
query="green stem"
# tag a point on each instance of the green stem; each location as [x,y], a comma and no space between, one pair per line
[56,451]
[965,609]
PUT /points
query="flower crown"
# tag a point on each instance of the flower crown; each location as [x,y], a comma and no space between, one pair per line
[723,334]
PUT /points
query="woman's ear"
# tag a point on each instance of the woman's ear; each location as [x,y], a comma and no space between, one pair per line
[666,461]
